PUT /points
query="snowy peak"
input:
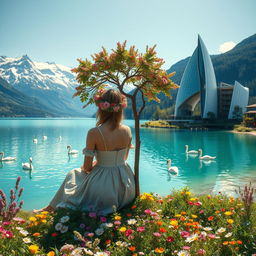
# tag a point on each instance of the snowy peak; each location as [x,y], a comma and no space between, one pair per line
[22,71]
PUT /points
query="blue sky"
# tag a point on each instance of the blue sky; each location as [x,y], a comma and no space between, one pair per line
[63,30]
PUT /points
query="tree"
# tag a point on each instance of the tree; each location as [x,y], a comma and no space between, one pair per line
[119,68]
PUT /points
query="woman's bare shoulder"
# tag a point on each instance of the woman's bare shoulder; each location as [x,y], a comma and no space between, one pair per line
[92,131]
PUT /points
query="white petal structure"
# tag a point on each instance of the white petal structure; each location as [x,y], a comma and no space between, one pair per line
[198,83]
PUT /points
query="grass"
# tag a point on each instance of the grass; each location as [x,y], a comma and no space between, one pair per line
[178,224]
[242,128]
[158,124]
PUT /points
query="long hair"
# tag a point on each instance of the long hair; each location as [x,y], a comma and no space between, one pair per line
[114,118]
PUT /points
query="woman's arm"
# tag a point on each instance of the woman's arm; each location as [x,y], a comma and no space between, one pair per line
[130,143]
[90,145]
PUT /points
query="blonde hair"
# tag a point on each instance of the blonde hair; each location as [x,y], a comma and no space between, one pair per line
[114,118]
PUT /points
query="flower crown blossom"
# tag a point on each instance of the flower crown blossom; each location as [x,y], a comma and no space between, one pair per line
[108,106]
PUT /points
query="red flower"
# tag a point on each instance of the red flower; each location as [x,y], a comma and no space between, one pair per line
[133,207]
[210,218]
[132,248]
[169,239]
[54,234]
[162,230]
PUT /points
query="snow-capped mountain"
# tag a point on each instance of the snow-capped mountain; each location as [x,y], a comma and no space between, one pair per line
[52,84]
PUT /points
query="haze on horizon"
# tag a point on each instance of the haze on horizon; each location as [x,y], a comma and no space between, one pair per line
[61,31]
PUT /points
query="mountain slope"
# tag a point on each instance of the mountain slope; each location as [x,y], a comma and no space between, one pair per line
[52,84]
[14,103]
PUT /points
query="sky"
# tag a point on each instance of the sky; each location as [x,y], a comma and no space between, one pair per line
[61,31]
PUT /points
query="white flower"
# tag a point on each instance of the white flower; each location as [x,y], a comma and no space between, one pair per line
[192,238]
[64,229]
[78,251]
[207,229]
[99,231]
[109,225]
[88,252]
[118,243]
[58,226]
[64,219]
[24,232]
[183,253]
[220,230]
[131,221]
[19,228]
[26,240]
[228,234]
[101,254]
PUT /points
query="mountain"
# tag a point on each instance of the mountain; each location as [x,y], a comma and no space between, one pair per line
[16,104]
[52,84]
[237,64]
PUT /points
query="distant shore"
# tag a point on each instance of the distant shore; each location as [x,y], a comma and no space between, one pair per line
[249,133]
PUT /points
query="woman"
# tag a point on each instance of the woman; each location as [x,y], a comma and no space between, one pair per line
[106,184]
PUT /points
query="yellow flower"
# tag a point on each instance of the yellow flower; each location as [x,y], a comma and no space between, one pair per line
[32,219]
[193,216]
[230,221]
[188,193]
[159,250]
[193,199]
[118,217]
[43,221]
[177,215]
[33,249]
[239,204]
[228,213]
[145,196]
[51,253]
[122,229]
[44,212]
[174,222]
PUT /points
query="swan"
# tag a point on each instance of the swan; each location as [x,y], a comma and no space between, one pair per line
[28,166]
[60,138]
[191,152]
[70,151]
[206,157]
[35,141]
[8,158]
[172,169]
[44,137]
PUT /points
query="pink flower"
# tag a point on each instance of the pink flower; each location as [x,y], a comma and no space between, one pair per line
[104,105]
[156,234]
[147,211]
[20,220]
[184,234]
[211,236]
[198,203]
[8,234]
[190,203]
[92,215]
[67,248]
[186,247]
[116,108]
[117,222]
[165,80]
[128,232]
[103,219]
[169,239]
[123,105]
[82,225]
[201,252]
[140,229]
[201,212]
[90,234]
[6,223]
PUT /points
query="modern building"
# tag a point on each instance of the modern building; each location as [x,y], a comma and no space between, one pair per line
[250,115]
[198,87]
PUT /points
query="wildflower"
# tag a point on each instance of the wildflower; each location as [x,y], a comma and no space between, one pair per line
[32,219]
[147,211]
[160,250]
[228,213]
[118,217]
[58,226]
[207,229]
[184,234]
[210,218]
[117,222]
[23,232]
[92,214]
[131,221]
[192,238]
[230,221]
[220,230]
[156,234]
[64,219]
[99,231]
[82,225]
[51,253]
[169,239]
[201,252]
[33,249]
[212,236]
[140,229]
[134,207]
[228,235]
[44,212]
[193,216]
[103,219]
[128,232]
[78,251]
[183,253]
[239,242]
[101,254]
[225,243]
[8,234]
[54,234]
[174,222]
[109,225]
[162,230]
[186,248]
[64,229]
[90,234]
[36,234]
[188,193]
[67,248]
[122,229]
[132,248]
[108,241]
[19,220]
[26,240]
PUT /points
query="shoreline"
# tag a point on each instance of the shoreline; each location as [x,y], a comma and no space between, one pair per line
[253,133]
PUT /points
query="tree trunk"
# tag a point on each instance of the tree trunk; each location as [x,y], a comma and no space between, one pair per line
[137,146]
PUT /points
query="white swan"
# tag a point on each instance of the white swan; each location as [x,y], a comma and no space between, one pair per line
[206,157]
[70,151]
[191,152]
[8,158]
[44,137]
[60,138]
[172,169]
[28,166]
[35,141]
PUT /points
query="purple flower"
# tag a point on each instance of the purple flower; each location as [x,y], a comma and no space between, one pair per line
[82,225]
[93,215]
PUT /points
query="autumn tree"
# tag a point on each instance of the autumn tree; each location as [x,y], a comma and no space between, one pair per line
[121,67]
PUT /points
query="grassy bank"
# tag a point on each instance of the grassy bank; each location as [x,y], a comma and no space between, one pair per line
[158,124]
[178,224]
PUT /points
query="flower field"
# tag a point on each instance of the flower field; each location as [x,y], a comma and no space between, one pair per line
[178,224]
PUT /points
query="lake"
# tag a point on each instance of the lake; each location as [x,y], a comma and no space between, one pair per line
[234,166]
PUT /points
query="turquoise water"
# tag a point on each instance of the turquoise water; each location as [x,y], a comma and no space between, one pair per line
[235,163]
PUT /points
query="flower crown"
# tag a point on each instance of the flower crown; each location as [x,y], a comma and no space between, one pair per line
[108,106]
